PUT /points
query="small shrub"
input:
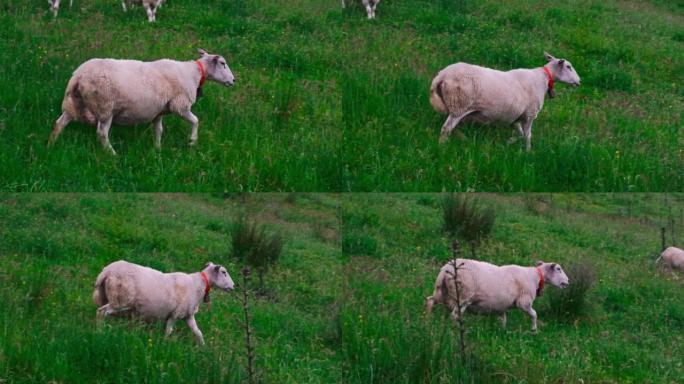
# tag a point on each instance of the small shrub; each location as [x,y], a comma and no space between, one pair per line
[571,303]
[253,246]
[358,244]
[464,218]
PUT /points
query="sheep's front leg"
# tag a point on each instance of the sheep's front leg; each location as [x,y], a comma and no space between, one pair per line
[169,326]
[192,119]
[527,308]
[103,133]
[343,4]
[503,319]
[193,325]
[123,5]
[527,133]
[158,129]
[62,122]
[519,129]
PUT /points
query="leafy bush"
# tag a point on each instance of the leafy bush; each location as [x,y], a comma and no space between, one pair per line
[464,218]
[358,244]
[571,303]
[253,246]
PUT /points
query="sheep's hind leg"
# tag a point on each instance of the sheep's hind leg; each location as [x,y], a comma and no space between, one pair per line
[169,326]
[62,122]
[456,314]
[449,126]
[192,119]
[195,329]
[158,129]
[107,310]
[103,134]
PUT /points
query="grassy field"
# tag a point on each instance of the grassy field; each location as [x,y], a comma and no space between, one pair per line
[631,332]
[53,246]
[328,101]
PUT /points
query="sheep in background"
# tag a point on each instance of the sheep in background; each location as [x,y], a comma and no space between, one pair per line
[370,7]
[54,6]
[129,92]
[673,257]
[469,92]
[150,7]
[146,293]
[492,289]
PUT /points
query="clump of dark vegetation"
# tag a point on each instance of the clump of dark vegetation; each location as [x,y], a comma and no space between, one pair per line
[255,247]
[464,218]
[571,303]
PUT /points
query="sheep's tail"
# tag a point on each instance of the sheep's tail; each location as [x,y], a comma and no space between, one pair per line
[436,95]
[99,294]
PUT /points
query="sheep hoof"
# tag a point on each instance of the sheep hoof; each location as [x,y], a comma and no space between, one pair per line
[443,139]
[192,143]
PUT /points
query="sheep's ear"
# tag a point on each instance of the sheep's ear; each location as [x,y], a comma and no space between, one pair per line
[548,56]
[208,264]
[202,52]
[539,262]
[217,268]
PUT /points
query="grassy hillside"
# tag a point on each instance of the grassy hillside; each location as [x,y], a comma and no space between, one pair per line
[53,246]
[631,332]
[327,101]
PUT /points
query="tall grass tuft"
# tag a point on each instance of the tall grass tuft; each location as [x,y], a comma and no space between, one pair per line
[571,303]
[255,247]
[463,217]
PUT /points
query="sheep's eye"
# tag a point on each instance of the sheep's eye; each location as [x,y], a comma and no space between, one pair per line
[569,66]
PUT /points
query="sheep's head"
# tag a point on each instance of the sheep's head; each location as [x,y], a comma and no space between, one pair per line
[563,70]
[554,274]
[217,68]
[218,276]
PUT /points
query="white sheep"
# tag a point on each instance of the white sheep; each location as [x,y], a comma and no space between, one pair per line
[127,288]
[491,289]
[149,5]
[469,92]
[54,6]
[673,257]
[128,92]
[370,6]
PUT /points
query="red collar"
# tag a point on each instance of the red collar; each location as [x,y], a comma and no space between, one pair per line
[204,74]
[541,278]
[548,74]
[206,281]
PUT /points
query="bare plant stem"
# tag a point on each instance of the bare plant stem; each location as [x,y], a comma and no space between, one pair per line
[247,327]
[456,248]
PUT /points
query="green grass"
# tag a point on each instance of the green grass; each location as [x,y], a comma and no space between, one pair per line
[54,246]
[631,331]
[328,101]
[345,302]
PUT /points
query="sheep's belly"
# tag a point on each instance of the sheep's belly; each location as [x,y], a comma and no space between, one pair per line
[127,117]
